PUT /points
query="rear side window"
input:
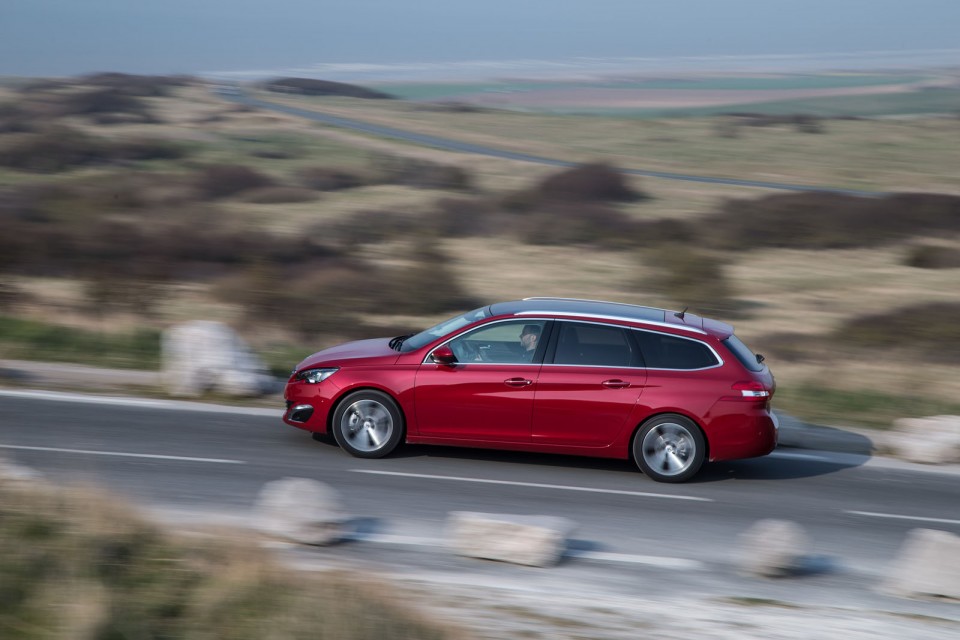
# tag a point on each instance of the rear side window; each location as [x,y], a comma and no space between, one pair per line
[662,351]
[594,345]
[743,353]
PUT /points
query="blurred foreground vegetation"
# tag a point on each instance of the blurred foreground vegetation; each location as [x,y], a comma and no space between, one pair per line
[128,203]
[75,565]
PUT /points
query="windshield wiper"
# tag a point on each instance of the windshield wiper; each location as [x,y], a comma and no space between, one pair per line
[396,343]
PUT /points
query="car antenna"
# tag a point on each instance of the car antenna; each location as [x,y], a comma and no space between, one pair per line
[680,314]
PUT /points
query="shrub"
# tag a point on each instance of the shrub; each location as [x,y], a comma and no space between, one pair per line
[831,220]
[369,227]
[53,150]
[929,330]
[414,172]
[328,179]
[279,195]
[596,182]
[312,87]
[223,180]
[567,224]
[691,278]
[925,256]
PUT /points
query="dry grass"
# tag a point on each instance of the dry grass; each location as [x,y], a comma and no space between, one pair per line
[77,565]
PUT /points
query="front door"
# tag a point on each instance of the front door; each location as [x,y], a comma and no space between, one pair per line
[487,395]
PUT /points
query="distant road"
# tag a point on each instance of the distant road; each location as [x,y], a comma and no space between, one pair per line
[449,144]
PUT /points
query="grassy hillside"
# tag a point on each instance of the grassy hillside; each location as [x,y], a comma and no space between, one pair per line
[153,209]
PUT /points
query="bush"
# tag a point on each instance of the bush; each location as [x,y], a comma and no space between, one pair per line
[830,220]
[925,256]
[419,173]
[588,183]
[931,331]
[279,195]
[57,149]
[223,180]
[311,87]
[691,278]
[328,179]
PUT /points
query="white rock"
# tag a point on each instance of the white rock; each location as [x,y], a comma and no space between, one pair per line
[205,356]
[928,564]
[16,472]
[932,440]
[772,548]
[537,541]
[300,510]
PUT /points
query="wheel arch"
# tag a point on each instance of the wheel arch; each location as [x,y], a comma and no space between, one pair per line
[660,414]
[349,391]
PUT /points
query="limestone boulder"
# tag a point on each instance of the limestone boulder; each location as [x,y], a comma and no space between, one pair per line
[537,541]
[932,440]
[773,548]
[203,356]
[300,510]
[927,565]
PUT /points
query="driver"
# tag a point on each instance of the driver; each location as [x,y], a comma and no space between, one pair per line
[529,337]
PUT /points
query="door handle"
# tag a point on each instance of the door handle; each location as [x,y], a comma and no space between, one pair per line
[615,384]
[517,382]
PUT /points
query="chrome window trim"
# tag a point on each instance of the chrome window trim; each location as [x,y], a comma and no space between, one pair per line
[577,314]
[427,360]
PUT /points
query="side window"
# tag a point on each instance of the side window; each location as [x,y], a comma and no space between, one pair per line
[662,351]
[500,343]
[594,345]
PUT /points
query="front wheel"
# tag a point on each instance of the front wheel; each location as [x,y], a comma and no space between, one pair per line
[669,448]
[368,424]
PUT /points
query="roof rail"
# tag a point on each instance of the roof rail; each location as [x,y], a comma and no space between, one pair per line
[622,304]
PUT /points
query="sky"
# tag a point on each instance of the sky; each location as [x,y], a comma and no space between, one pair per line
[69,37]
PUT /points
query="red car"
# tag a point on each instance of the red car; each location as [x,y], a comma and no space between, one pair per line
[666,389]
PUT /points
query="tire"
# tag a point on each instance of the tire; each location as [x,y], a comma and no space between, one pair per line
[368,424]
[669,448]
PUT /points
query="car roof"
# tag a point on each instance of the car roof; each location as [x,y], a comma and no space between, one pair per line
[601,309]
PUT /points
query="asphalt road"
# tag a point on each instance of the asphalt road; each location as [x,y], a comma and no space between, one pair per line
[857,510]
[449,144]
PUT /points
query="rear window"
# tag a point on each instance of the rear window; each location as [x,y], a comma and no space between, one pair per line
[662,351]
[743,353]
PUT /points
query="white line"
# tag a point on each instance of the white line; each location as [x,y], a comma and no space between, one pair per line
[536,485]
[145,403]
[121,454]
[899,517]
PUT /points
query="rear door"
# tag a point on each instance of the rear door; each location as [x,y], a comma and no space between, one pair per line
[590,383]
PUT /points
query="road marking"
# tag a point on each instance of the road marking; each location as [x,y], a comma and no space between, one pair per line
[121,454]
[899,517]
[145,403]
[536,485]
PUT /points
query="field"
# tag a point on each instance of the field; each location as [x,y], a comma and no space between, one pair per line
[323,234]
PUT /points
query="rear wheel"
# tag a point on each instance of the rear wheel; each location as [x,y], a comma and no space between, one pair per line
[368,424]
[669,448]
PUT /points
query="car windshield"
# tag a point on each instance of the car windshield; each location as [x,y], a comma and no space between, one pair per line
[427,336]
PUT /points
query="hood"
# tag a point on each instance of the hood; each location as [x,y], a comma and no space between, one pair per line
[375,351]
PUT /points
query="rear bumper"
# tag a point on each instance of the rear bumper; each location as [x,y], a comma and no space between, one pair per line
[743,435]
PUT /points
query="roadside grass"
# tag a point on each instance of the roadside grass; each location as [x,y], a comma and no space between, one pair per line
[870,408]
[22,339]
[78,564]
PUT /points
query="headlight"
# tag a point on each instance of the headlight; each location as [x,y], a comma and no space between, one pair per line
[316,376]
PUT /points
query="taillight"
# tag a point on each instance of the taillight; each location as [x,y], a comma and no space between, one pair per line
[751,390]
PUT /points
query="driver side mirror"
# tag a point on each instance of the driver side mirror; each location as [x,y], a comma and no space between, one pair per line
[443,355]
